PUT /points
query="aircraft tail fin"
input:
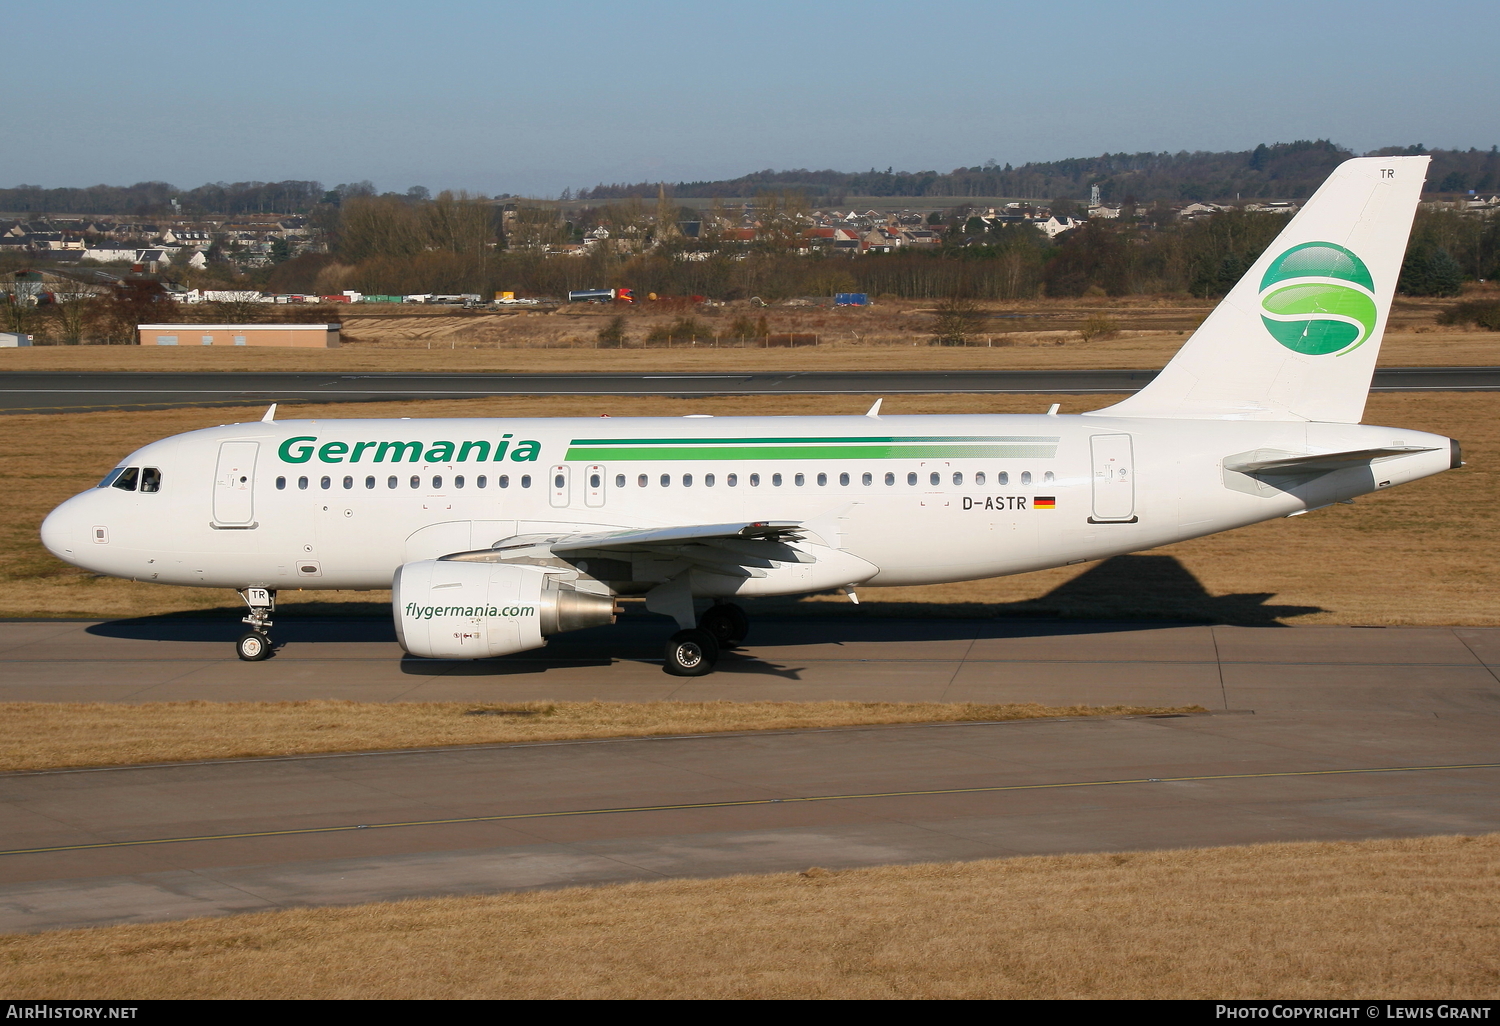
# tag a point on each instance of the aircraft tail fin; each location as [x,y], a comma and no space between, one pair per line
[1297,337]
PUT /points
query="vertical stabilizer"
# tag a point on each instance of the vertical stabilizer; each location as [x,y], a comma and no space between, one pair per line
[1297,338]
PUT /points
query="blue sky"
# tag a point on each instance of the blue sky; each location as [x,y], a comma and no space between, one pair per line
[532,98]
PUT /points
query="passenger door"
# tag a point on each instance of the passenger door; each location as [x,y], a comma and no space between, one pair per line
[1114,479]
[234,484]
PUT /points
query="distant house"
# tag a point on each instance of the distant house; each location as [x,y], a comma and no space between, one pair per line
[109,253]
[1055,226]
[182,237]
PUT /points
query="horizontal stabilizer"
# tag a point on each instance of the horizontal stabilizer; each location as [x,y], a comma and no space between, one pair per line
[1272,461]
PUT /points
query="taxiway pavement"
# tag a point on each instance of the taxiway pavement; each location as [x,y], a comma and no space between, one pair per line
[1315,732]
[61,392]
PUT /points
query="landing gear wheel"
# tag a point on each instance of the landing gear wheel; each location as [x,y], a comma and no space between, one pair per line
[253,647]
[727,622]
[691,653]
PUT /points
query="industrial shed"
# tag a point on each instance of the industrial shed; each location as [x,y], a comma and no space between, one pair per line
[301,336]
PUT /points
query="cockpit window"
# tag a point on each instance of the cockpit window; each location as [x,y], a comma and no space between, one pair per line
[128,479]
[150,480]
[110,478]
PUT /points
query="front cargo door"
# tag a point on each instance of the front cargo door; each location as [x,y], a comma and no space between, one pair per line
[234,483]
[1114,478]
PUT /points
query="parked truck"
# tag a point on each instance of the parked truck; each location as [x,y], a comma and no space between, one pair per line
[601,296]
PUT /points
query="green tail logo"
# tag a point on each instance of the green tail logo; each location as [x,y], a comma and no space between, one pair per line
[1318,298]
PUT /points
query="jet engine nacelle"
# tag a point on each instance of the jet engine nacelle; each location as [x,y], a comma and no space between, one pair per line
[452,609]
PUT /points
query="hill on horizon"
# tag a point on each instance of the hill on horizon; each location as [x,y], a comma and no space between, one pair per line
[1279,171]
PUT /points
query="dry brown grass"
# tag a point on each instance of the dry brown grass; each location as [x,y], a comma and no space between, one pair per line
[892,335]
[1388,919]
[55,735]
[1426,553]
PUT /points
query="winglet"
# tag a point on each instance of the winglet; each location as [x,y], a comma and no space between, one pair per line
[270,417]
[874,411]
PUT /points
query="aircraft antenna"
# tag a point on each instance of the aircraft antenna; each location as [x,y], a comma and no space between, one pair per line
[270,417]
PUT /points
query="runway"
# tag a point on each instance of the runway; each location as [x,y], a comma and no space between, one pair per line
[53,392]
[1314,732]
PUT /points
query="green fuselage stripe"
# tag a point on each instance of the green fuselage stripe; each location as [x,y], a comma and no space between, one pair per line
[819,440]
[584,453]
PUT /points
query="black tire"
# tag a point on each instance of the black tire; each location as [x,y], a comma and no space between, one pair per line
[727,622]
[690,653]
[253,647]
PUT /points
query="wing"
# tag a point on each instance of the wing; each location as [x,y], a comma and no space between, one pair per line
[731,550]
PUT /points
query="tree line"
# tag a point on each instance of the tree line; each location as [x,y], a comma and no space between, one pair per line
[1279,171]
[455,244]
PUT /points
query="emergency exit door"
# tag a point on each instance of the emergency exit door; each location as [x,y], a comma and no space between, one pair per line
[234,484]
[1114,479]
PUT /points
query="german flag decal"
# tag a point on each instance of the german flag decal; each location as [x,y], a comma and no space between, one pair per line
[1044,502]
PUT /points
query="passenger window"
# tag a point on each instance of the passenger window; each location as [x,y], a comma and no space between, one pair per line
[754,480]
[348,482]
[128,480]
[327,481]
[958,478]
[911,478]
[1026,477]
[666,480]
[481,481]
[619,480]
[731,479]
[934,478]
[503,481]
[559,482]
[525,480]
[822,480]
[150,480]
[391,482]
[370,481]
[1003,477]
[281,484]
[687,480]
[437,482]
[776,480]
[302,483]
[416,482]
[708,480]
[844,480]
[979,477]
[799,480]
[890,478]
[640,481]
[1047,477]
[458,482]
[867,479]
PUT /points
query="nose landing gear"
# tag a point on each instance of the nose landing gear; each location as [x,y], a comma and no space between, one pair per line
[256,645]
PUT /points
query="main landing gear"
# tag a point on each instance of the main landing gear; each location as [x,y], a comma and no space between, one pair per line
[693,652]
[256,644]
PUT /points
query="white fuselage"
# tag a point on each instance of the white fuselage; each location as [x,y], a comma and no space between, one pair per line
[894,500]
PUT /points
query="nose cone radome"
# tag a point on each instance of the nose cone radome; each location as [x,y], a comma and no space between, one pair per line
[68,532]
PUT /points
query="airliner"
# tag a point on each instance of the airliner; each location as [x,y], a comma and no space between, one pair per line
[495,533]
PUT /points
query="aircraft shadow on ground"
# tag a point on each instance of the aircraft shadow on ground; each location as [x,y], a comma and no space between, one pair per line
[1125,593]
